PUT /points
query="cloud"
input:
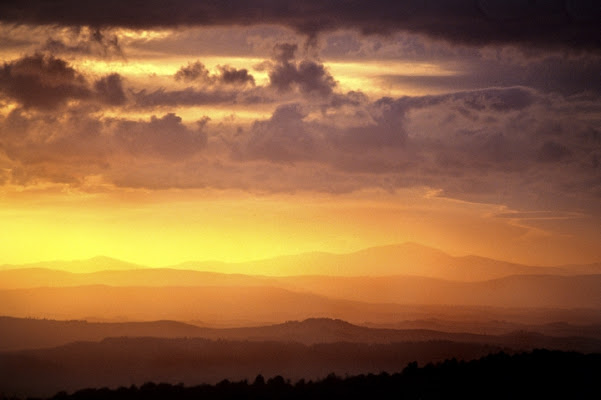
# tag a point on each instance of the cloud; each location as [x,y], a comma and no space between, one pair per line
[232,76]
[490,145]
[562,74]
[228,85]
[110,89]
[384,128]
[552,152]
[193,72]
[48,148]
[66,149]
[237,86]
[184,97]
[42,82]
[559,24]
[86,42]
[166,137]
[197,72]
[309,77]
[493,99]
[284,137]
[377,139]
[47,83]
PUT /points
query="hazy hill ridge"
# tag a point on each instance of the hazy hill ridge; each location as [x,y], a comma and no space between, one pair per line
[402,259]
[20,334]
[414,280]
[98,263]
[345,298]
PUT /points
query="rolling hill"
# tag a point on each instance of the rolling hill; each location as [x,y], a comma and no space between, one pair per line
[26,333]
[345,349]
[350,299]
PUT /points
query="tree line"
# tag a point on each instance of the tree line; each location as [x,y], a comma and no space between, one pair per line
[528,375]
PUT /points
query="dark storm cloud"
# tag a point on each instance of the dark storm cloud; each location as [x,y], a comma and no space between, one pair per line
[309,76]
[110,89]
[192,72]
[47,83]
[554,23]
[197,72]
[232,76]
[42,82]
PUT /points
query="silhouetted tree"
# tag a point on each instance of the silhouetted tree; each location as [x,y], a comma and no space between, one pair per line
[538,374]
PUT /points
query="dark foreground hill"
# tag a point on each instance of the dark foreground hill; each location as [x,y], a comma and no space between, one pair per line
[115,362]
[534,375]
[118,362]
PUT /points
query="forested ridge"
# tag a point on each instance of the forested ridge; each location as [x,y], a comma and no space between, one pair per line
[531,375]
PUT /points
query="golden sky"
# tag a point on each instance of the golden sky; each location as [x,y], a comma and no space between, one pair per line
[159,141]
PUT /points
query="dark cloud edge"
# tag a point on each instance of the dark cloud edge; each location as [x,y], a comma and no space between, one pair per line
[569,24]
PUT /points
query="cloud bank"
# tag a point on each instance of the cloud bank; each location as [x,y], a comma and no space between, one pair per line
[558,24]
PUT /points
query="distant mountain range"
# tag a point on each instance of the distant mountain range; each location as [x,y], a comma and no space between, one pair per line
[285,315]
[402,259]
[94,264]
[381,285]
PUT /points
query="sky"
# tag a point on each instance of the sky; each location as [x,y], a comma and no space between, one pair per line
[163,132]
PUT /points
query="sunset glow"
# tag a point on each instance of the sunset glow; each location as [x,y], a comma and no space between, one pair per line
[308,199]
[169,144]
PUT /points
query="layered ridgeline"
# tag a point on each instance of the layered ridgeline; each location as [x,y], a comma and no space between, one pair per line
[383,285]
[402,259]
[167,351]
[26,333]
[103,322]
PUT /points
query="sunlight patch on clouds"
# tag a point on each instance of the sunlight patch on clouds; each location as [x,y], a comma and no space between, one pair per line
[164,68]
[144,34]
[366,76]
[228,113]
